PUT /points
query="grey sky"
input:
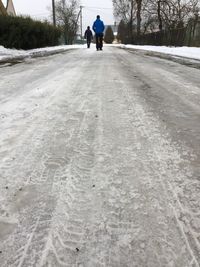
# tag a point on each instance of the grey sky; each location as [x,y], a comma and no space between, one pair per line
[41,9]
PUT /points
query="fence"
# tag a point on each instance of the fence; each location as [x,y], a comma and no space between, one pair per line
[170,38]
[189,36]
[193,33]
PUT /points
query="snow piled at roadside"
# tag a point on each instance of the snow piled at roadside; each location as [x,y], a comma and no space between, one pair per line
[11,54]
[187,52]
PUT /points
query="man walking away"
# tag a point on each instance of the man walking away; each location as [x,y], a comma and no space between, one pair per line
[88,36]
[98,28]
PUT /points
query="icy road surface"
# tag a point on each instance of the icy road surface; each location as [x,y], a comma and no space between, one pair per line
[99,162]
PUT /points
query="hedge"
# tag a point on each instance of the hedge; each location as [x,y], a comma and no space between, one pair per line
[25,33]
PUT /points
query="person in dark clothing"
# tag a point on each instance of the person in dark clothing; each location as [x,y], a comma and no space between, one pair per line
[98,28]
[88,36]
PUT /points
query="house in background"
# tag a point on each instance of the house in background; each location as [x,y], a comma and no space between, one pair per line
[8,10]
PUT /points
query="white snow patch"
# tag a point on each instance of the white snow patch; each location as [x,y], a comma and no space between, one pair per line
[188,52]
[11,54]
[8,220]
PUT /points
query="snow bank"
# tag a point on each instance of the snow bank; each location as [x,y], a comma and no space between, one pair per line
[187,52]
[13,54]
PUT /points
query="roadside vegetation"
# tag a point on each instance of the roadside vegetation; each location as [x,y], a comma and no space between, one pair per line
[25,33]
[67,15]
[109,35]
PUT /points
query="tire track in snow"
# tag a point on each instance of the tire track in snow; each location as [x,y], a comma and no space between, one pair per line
[68,240]
[160,152]
[125,219]
[36,225]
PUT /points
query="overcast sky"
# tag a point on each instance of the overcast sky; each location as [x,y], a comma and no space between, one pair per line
[41,9]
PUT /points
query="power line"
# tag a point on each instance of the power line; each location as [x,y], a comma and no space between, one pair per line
[94,12]
[40,14]
[94,7]
[104,10]
[85,7]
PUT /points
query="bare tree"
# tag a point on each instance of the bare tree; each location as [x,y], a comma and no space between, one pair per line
[155,15]
[152,15]
[67,18]
[175,13]
[130,11]
[138,15]
[168,14]
[125,10]
[160,21]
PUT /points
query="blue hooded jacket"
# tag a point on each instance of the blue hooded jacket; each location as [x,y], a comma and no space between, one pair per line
[98,26]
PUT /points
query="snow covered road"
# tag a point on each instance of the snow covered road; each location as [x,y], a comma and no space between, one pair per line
[99,161]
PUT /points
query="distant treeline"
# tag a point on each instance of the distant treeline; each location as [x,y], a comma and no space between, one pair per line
[25,33]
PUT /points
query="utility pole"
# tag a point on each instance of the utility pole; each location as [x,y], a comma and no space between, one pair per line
[54,12]
[81,21]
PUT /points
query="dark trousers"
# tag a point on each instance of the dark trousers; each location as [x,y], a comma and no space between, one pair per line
[88,42]
[99,40]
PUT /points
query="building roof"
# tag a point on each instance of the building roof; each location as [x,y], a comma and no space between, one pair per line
[9,10]
[2,9]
